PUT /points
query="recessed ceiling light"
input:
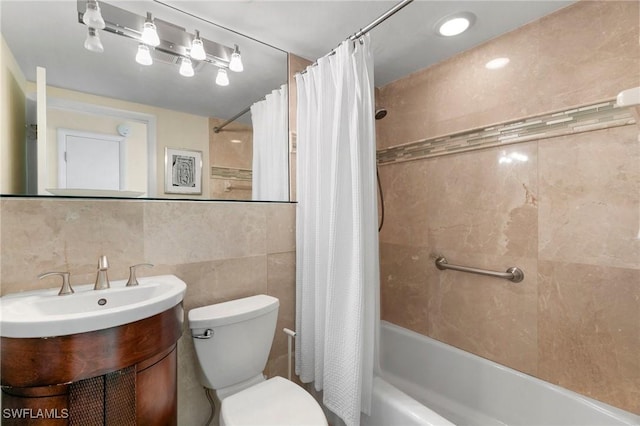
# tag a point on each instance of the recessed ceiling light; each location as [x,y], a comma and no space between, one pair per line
[454,27]
[236,140]
[455,24]
[496,63]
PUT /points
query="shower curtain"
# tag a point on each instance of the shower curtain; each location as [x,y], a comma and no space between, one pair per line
[337,268]
[270,172]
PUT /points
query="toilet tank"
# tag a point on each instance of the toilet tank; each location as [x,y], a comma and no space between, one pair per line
[239,347]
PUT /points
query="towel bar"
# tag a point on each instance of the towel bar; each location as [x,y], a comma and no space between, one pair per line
[513,274]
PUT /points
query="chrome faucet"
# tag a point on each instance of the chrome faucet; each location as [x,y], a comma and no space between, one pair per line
[102,280]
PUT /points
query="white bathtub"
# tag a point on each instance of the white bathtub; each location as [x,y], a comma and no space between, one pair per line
[469,390]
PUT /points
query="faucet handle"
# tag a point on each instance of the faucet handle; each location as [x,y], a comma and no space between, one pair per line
[132,274]
[66,285]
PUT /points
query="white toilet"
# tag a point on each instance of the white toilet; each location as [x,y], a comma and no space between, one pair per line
[233,341]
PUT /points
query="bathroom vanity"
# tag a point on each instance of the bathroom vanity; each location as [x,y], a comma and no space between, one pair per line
[119,375]
[123,375]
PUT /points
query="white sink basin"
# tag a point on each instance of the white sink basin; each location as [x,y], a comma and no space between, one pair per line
[42,313]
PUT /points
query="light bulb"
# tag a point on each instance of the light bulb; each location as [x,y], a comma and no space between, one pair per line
[235,64]
[197,48]
[143,57]
[149,33]
[222,79]
[92,42]
[92,16]
[186,69]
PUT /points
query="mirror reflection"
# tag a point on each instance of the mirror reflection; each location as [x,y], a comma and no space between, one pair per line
[111,112]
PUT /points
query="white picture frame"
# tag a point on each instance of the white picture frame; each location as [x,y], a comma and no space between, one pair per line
[183,171]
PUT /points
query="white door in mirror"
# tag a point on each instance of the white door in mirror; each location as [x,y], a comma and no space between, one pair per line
[90,160]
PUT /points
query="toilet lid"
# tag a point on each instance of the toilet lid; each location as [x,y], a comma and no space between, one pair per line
[275,402]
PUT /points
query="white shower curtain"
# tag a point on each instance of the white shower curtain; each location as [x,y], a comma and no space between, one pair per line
[270,172]
[337,269]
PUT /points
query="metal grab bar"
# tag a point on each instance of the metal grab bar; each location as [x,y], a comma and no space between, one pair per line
[513,274]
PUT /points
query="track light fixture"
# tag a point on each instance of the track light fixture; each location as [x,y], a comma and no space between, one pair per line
[197,48]
[178,47]
[149,32]
[92,16]
[92,42]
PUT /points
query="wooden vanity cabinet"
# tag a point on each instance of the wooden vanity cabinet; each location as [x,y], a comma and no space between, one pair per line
[125,375]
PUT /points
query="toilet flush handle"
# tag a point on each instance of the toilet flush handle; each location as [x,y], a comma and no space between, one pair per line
[208,334]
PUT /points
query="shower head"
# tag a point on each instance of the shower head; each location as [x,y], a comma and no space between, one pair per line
[381,113]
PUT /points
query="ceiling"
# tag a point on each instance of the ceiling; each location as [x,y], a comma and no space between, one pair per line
[48,34]
[403,44]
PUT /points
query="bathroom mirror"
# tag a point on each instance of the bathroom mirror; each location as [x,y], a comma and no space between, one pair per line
[153,107]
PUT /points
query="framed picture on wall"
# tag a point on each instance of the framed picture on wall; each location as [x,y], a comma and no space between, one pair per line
[183,171]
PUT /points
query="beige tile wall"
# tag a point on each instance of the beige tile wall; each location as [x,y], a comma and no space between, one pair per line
[221,250]
[569,216]
[583,53]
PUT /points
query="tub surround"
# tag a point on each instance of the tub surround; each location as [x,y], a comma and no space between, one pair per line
[570,225]
[221,250]
[564,209]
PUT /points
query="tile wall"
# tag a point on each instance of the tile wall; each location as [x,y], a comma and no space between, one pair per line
[221,250]
[230,160]
[581,54]
[565,209]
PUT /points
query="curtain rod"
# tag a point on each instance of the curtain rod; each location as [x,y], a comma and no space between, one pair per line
[388,14]
[231,120]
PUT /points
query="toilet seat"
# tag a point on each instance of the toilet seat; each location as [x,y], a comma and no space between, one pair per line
[274,402]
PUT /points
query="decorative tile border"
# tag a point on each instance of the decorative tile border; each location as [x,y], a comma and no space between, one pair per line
[576,120]
[230,173]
